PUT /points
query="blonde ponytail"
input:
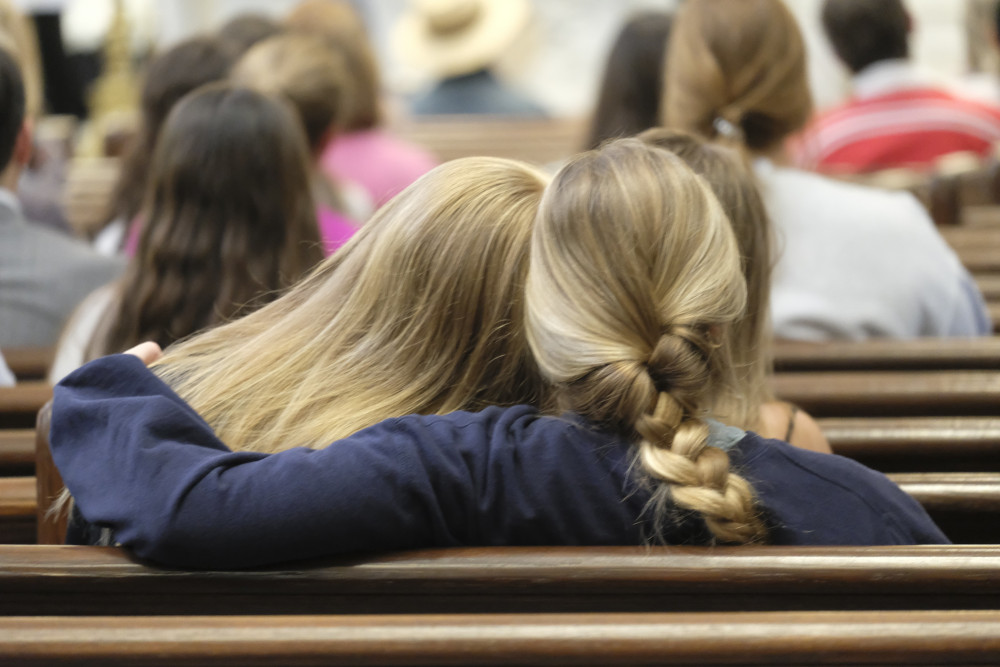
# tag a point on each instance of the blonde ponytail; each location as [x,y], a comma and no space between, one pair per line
[634,276]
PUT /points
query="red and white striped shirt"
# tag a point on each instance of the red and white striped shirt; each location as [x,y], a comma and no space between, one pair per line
[900,122]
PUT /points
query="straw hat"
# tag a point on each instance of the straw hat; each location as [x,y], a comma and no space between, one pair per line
[454,37]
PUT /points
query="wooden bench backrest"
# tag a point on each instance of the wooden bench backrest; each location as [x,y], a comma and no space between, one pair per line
[891,355]
[892,393]
[538,141]
[917,444]
[17,452]
[61,580]
[846,638]
[29,363]
[19,405]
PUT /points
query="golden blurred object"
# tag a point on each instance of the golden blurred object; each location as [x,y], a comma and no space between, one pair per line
[90,184]
[116,92]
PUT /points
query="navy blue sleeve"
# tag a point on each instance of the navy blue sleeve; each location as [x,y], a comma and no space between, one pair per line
[139,460]
[824,499]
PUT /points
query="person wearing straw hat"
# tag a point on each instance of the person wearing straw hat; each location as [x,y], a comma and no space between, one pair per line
[458,42]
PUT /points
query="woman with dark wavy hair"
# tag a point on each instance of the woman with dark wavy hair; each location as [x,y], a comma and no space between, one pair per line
[230,223]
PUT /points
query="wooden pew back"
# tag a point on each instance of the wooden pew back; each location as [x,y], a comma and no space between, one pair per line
[538,141]
[63,580]
[854,638]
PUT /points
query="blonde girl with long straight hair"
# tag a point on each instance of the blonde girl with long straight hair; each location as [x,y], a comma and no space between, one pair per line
[754,406]
[633,283]
[420,313]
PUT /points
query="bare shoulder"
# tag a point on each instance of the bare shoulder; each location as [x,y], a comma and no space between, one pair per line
[784,421]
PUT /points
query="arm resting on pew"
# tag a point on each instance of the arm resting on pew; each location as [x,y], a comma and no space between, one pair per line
[140,461]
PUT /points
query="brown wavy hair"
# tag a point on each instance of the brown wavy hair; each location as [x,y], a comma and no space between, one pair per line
[229,219]
[172,75]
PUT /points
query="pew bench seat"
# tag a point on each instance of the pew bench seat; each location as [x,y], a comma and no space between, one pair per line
[17,452]
[830,638]
[64,580]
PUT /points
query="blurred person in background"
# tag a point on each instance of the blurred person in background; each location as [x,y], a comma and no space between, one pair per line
[458,43]
[365,153]
[43,274]
[897,116]
[229,223]
[312,76]
[629,98]
[169,77]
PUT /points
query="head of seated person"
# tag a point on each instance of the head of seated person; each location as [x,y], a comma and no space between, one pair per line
[337,22]
[170,76]
[420,312]
[229,219]
[737,71]
[245,30]
[635,277]
[748,338]
[629,98]
[865,32]
[15,132]
[312,76]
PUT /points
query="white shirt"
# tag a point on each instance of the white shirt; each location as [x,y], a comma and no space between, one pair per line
[856,262]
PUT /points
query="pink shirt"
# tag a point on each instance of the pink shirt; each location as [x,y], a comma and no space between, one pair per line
[377,161]
[334,229]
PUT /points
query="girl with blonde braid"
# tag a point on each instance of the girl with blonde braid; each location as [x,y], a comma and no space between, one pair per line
[633,283]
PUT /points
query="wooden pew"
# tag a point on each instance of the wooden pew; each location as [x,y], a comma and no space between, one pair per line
[830,638]
[19,405]
[17,452]
[989,285]
[18,508]
[61,580]
[29,363]
[924,354]
[536,140]
[917,444]
[960,393]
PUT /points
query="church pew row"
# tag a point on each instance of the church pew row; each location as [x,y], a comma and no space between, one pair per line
[830,638]
[19,405]
[989,285]
[892,393]
[29,363]
[962,236]
[965,505]
[88,581]
[18,510]
[540,141]
[17,452]
[923,354]
[994,309]
[917,444]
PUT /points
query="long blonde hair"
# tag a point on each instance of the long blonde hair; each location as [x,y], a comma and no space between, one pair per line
[737,69]
[749,338]
[634,276]
[421,312]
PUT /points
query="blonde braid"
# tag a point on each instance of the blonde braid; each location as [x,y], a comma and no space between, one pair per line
[674,445]
[634,275]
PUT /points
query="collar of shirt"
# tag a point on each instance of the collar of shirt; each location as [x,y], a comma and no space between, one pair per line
[889,76]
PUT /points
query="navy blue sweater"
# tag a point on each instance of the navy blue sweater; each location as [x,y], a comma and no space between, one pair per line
[140,461]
